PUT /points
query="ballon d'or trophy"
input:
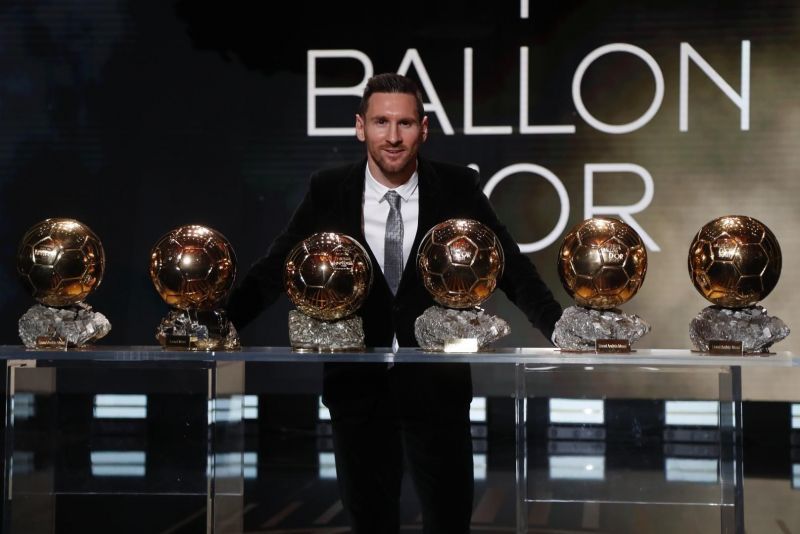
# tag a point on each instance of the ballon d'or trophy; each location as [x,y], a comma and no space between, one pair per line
[193,268]
[602,263]
[734,262]
[460,262]
[327,276]
[61,261]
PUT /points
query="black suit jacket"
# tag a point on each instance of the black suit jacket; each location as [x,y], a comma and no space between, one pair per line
[334,203]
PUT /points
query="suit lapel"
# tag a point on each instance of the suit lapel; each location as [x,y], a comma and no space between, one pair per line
[429,190]
[353,210]
[352,199]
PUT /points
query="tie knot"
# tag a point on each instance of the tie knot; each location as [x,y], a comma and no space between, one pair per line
[393,199]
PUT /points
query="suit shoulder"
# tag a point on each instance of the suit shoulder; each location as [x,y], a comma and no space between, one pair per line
[333,176]
[450,173]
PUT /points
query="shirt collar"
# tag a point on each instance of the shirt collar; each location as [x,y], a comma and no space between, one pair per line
[378,190]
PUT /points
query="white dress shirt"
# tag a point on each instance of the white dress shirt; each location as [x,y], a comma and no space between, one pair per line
[376,210]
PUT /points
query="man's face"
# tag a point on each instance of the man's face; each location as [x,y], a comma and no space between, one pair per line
[393,134]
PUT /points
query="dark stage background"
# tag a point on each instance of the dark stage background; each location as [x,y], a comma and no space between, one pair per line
[136,117]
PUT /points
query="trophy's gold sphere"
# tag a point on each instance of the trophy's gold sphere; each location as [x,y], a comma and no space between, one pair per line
[734,261]
[460,262]
[60,261]
[602,263]
[328,275]
[193,267]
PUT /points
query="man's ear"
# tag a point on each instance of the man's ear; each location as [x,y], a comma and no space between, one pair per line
[424,128]
[360,128]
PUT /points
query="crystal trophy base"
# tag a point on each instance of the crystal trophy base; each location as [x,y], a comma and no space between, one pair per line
[197,330]
[44,327]
[588,330]
[307,334]
[744,331]
[441,329]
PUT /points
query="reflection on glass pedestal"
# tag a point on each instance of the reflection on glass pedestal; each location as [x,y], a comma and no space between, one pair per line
[84,435]
[634,455]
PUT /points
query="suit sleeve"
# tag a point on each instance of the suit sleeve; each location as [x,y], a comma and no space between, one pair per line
[521,281]
[263,283]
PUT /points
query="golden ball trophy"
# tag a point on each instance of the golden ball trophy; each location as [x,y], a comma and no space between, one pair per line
[60,262]
[327,276]
[734,262]
[602,263]
[459,262]
[193,268]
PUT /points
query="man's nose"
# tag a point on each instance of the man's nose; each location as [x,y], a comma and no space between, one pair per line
[393,135]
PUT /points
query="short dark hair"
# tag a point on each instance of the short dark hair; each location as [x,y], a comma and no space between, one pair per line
[391,82]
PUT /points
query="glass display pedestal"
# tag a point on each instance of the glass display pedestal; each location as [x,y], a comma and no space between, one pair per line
[702,468]
[84,427]
[165,430]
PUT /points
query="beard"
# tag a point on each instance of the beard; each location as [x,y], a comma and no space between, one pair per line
[392,165]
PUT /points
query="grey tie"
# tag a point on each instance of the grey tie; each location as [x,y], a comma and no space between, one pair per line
[393,242]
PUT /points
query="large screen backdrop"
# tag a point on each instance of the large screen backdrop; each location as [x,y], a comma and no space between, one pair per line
[138,117]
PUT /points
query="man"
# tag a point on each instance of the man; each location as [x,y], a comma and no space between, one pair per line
[381,415]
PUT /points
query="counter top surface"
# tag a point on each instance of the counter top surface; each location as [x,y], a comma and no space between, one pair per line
[534,357]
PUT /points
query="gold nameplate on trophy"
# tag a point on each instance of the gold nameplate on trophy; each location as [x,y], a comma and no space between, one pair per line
[52,342]
[191,343]
[721,347]
[176,341]
[612,345]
